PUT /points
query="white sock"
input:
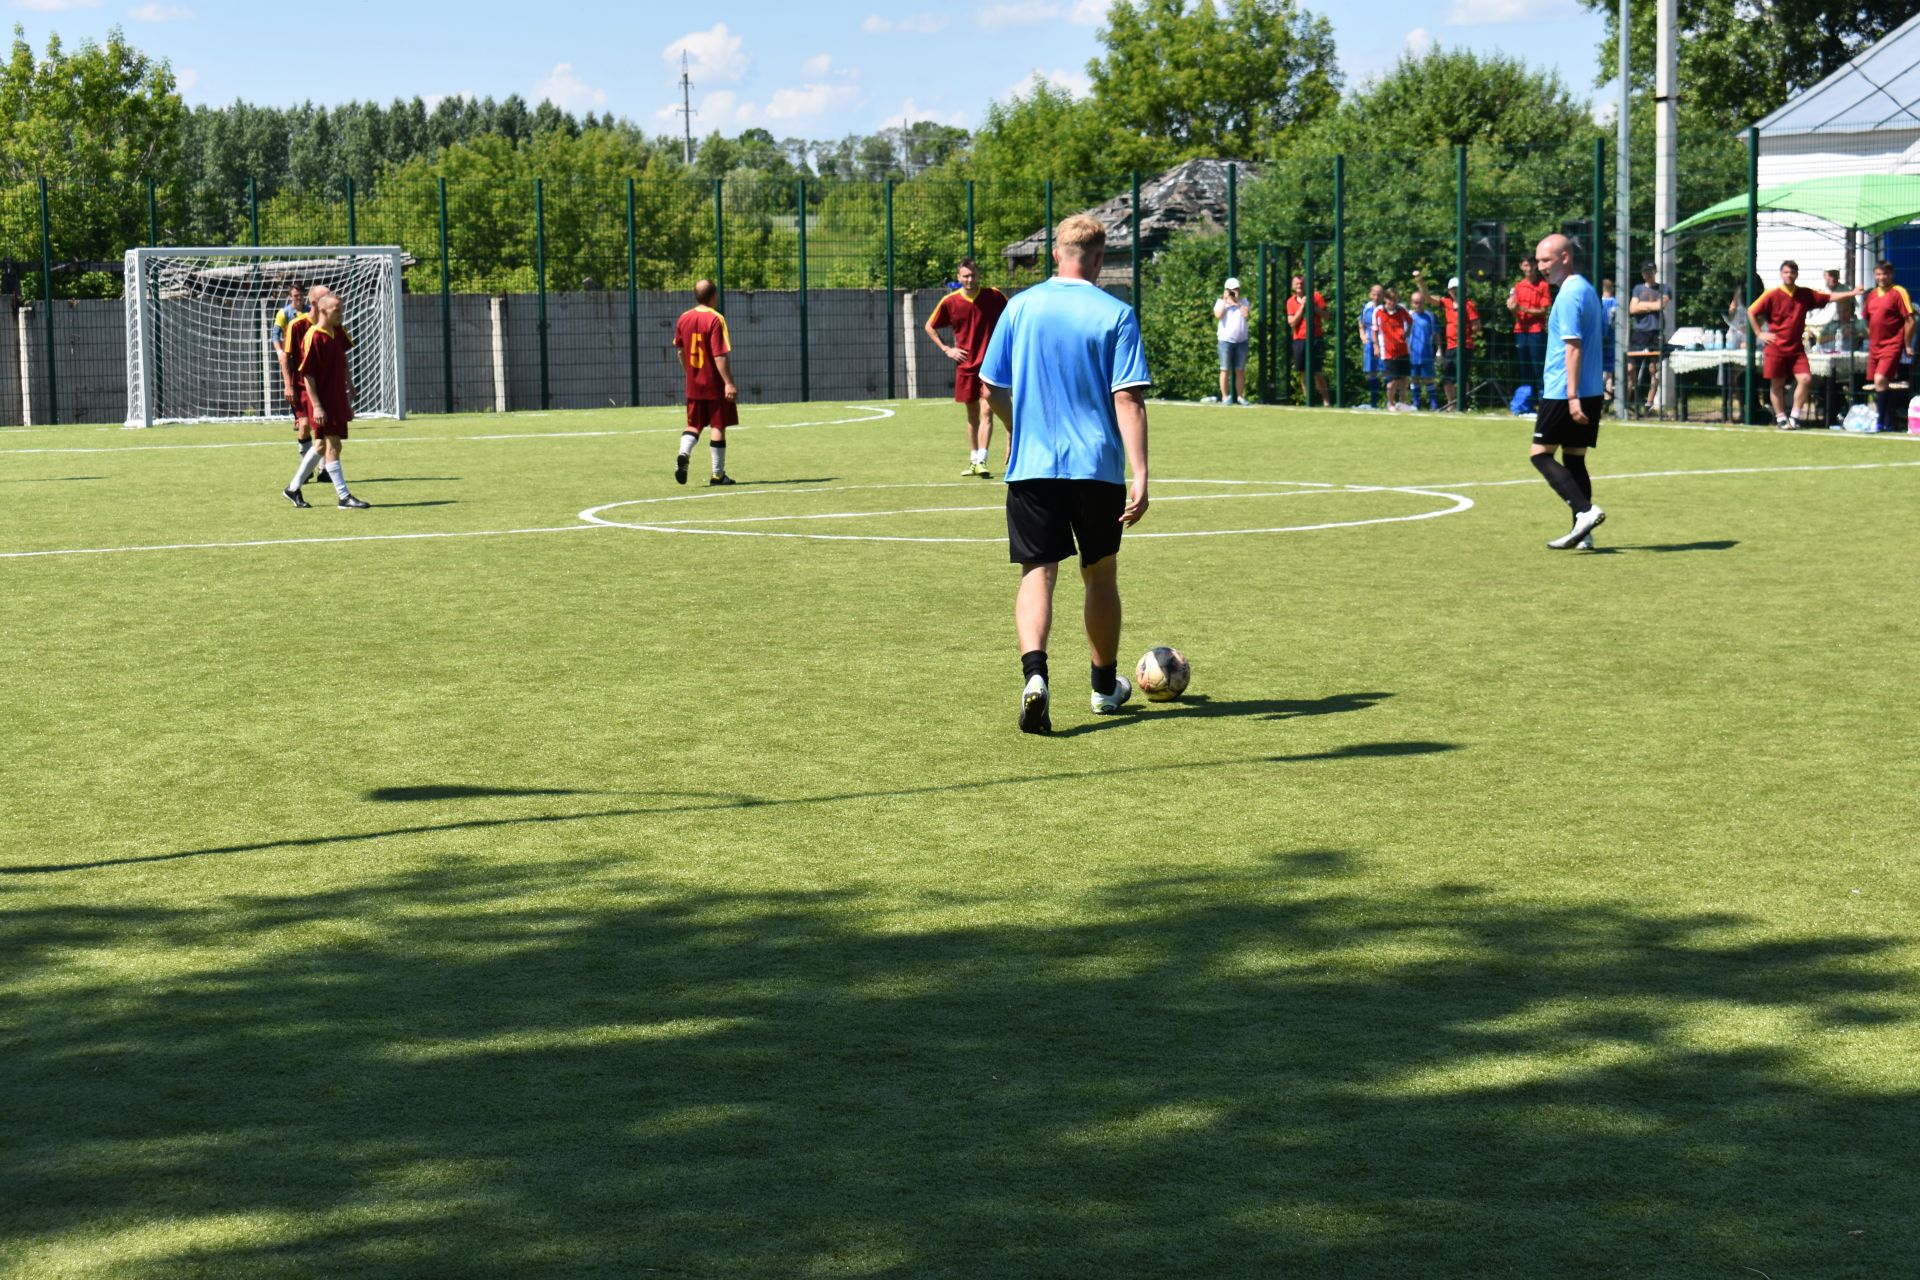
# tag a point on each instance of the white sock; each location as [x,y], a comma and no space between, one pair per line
[339,478]
[719,452]
[687,439]
[306,465]
[979,457]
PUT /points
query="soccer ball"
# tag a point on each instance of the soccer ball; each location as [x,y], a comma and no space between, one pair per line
[1163,673]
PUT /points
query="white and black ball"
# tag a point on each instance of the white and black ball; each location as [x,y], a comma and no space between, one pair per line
[1163,673]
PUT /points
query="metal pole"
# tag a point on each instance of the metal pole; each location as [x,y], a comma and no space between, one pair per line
[806,384]
[1266,332]
[1340,281]
[540,278]
[1666,205]
[969,217]
[1623,223]
[719,248]
[353,225]
[1233,219]
[633,306]
[1134,286]
[890,333]
[1599,199]
[253,209]
[153,214]
[1306,378]
[46,308]
[1462,357]
[1753,256]
[1046,268]
[446,308]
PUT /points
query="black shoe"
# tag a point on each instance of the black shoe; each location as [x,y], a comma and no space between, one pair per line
[680,469]
[293,496]
[722,478]
[351,503]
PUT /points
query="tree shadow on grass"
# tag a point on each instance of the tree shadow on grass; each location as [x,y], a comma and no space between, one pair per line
[48,479]
[573,1068]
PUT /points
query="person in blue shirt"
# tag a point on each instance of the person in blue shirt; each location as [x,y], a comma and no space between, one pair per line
[1572,391]
[1370,362]
[1421,334]
[1067,368]
[1608,305]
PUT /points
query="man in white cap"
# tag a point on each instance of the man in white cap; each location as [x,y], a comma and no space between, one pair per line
[1230,315]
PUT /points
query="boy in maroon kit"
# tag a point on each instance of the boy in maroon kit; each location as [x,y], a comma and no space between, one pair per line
[1784,310]
[971,312]
[712,399]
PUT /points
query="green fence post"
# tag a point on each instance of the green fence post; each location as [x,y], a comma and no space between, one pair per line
[1462,357]
[540,281]
[1339,281]
[46,307]
[153,214]
[1134,284]
[353,225]
[1306,378]
[446,307]
[1266,332]
[1046,268]
[253,209]
[1233,219]
[1753,255]
[719,247]
[1599,200]
[969,217]
[806,382]
[633,306]
[1283,351]
[890,342]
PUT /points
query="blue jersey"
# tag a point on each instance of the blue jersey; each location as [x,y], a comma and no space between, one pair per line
[1420,338]
[1576,314]
[1062,349]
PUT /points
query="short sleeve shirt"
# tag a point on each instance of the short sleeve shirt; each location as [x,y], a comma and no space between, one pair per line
[1420,335]
[1297,315]
[293,340]
[1366,323]
[1392,323]
[1452,310]
[1576,315]
[1785,313]
[701,335]
[1233,322]
[1650,324]
[1531,293]
[972,320]
[1887,313]
[282,320]
[1062,349]
[323,358]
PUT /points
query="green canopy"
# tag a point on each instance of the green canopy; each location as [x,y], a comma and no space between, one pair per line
[1869,202]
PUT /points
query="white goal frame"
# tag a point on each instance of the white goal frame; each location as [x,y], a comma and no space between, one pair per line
[380,342]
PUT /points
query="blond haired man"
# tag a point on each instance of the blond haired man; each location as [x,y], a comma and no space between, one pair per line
[1067,368]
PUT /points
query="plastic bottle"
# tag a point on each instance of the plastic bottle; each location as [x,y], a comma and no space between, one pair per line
[1913,416]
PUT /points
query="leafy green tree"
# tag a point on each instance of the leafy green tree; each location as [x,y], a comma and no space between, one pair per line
[1214,79]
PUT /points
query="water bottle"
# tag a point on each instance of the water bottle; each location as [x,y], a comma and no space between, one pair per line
[1913,416]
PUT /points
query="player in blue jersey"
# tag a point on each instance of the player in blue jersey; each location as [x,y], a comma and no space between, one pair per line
[1067,368]
[1423,335]
[1609,304]
[1572,391]
[1370,362]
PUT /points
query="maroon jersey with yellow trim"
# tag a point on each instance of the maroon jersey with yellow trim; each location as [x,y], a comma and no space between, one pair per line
[323,358]
[972,320]
[701,334]
[1887,312]
[1786,313]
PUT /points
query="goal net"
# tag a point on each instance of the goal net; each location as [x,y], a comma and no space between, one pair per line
[200,330]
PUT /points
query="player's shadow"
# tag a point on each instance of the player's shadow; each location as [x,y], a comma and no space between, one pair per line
[403,479]
[48,479]
[762,484]
[464,791]
[1200,706]
[428,502]
[1718,544]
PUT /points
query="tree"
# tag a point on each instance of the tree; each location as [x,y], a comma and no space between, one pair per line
[1220,80]
[1740,59]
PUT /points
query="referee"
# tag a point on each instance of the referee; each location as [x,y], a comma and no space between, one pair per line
[1572,391]
[1066,367]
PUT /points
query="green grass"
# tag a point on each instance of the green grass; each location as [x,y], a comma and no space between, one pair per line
[611,902]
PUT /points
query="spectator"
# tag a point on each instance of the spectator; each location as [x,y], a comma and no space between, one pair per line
[1391,322]
[1529,300]
[1230,328]
[1297,322]
[1840,333]
[1422,341]
[1459,337]
[1608,306]
[1646,333]
[1369,361]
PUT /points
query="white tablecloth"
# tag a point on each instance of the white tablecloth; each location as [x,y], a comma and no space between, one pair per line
[1823,363]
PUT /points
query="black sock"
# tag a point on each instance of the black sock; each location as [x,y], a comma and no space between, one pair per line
[1034,663]
[300,447]
[1561,479]
[1577,464]
[1104,679]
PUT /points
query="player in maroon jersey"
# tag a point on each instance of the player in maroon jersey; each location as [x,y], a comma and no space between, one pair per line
[327,379]
[1890,325]
[712,399]
[971,312]
[1784,310]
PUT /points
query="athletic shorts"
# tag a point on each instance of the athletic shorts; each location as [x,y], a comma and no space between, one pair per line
[1554,425]
[1450,364]
[301,413]
[1046,519]
[967,387]
[1396,366]
[1233,356]
[1885,361]
[1784,363]
[712,413]
[1300,354]
[1423,368]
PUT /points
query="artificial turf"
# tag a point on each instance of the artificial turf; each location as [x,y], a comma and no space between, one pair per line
[573,899]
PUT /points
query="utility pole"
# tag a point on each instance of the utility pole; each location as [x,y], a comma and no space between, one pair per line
[686,111]
[1624,276]
[1665,171]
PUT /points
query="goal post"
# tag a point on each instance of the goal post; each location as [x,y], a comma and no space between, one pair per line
[200,329]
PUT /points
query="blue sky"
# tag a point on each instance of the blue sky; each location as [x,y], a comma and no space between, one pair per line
[812,68]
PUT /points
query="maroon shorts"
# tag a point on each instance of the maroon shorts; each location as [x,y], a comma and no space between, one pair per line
[300,411]
[1885,361]
[712,413]
[967,387]
[1784,362]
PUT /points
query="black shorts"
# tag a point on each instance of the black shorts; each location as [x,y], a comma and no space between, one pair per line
[1450,364]
[1046,518]
[1398,366]
[1554,425]
[1300,354]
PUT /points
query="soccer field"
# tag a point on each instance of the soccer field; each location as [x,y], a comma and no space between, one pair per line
[553,871]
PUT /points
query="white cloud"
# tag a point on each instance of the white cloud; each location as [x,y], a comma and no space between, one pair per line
[722,110]
[566,90]
[1077,84]
[55,6]
[808,101]
[1031,13]
[910,112]
[818,65]
[1419,40]
[185,79]
[1474,13]
[919,24]
[711,55]
[160,13]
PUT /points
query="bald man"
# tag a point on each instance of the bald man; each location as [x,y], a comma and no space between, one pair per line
[327,378]
[1573,389]
[712,400]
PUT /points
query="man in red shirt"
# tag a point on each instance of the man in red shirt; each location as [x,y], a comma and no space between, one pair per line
[1784,310]
[1530,300]
[971,312]
[327,379]
[1450,364]
[1889,333]
[1390,324]
[1297,322]
[712,400]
